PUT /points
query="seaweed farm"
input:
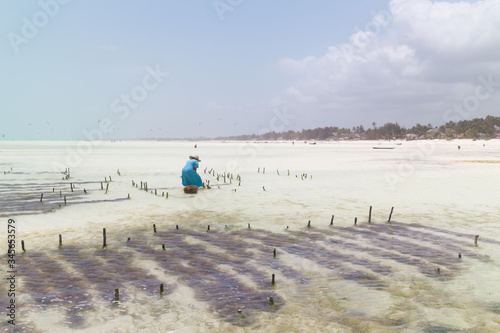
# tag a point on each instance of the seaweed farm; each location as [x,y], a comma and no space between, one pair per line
[326,238]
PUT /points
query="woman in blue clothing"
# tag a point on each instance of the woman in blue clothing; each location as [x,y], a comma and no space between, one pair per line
[189,175]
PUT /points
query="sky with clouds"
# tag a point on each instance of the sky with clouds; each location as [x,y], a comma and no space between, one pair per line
[91,69]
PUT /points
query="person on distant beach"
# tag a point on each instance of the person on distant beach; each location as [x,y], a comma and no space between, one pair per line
[189,174]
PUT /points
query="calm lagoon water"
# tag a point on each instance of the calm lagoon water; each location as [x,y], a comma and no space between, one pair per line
[403,276]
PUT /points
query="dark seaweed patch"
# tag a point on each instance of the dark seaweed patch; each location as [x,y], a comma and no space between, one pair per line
[297,243]
[108,269]
[50,284]
[216,264]
[467,237]
[23,198]
[197,267]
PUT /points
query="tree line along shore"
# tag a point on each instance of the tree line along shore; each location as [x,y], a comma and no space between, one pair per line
[478,128]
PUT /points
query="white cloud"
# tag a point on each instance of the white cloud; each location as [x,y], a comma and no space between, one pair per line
[408,63]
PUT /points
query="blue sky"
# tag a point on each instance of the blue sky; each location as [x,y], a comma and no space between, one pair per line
[114,69]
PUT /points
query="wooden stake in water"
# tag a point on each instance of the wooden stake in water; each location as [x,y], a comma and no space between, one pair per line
[273,282]
[103,237]
[370,215]
[331,221]
[355,220]
[60,240]
[154,228]
[41,197]
[161,289]
[459,255]
[390,215]
[475,239]
[176,227]
[309,224]
[163,247]
[64,200]
[264,188]
[107,187]
[22,246]
[117,295]
[274,253]
[102,187]
[208,229]
[271,301]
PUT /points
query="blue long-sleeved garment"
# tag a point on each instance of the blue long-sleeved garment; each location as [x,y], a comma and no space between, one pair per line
[189,176]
